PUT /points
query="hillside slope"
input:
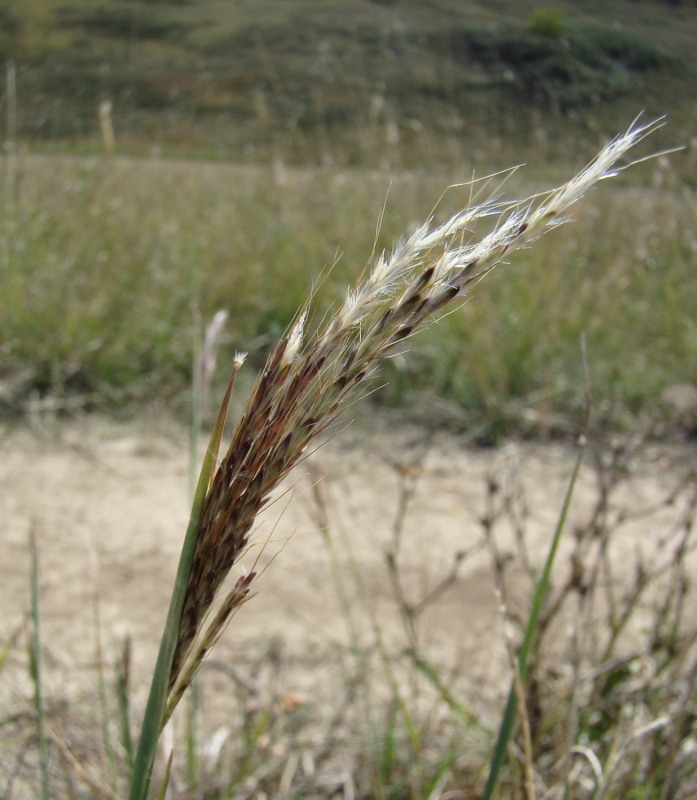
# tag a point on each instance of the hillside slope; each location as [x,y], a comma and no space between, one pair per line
[344,80]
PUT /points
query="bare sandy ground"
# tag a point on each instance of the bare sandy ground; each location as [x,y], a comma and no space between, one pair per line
[107,505]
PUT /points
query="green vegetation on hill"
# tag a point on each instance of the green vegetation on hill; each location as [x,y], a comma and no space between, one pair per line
[341,80]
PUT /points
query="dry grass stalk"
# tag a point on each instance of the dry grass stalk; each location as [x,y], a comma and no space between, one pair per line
[307,381]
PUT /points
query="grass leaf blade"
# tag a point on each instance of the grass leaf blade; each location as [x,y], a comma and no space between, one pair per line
[510,711]
[123,699]
[35,668]
[154,711]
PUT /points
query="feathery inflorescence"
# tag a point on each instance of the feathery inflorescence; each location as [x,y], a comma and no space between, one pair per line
[308,380]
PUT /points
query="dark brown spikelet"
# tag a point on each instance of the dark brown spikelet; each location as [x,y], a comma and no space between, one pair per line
[234,599]
[268,441]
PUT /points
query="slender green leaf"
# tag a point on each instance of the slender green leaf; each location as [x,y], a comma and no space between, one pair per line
[165,781]
[511,709]
[436,681]
[154,710]
[122,695]
[192,737]
[102,695]
[35,661]
[12,641]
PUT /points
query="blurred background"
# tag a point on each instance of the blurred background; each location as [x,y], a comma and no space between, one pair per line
[164,160]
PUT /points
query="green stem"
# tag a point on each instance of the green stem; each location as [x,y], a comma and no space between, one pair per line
[509,714]
[36,663]
[157,700]
[154,710]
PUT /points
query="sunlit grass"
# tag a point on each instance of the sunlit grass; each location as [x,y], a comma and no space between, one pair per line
[105,261]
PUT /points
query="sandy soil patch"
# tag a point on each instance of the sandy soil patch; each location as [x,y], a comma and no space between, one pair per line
[107,503]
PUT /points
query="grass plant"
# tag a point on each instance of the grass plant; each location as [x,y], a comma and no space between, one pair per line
[516,694]
[36,670]
[583,722]
[122,671]
[299,394]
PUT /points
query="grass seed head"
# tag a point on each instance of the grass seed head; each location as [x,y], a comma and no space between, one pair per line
[308,380]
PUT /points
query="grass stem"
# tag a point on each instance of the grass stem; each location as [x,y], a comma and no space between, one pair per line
[36,663]
[511,709]
[159,690]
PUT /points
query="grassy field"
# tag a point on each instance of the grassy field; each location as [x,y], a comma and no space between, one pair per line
[110,264]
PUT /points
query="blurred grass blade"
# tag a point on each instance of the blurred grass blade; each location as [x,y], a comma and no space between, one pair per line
[436,681]
[195,422]
[105,716]
[96,787]
[123,671]
[154,710]
[165,781]
[511,709]
[204,359]
[35,669]
[387,751]
[12,641]
[192,738]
